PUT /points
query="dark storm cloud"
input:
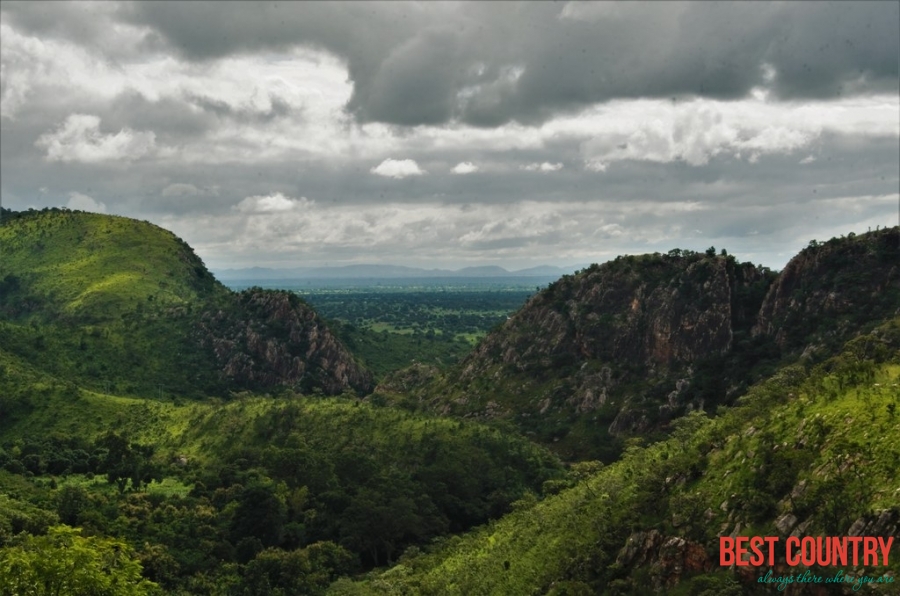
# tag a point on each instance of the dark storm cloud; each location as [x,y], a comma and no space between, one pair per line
[91,25]
[224,122]
[489,63]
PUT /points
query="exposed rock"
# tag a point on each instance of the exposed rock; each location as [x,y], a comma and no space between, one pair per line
[269,339]
[626,422]
[785,523]
[885,522]
[637,341]
[599,332]
[657,312]
[857,528]
[669,558]
[800,530]
[638,547]
[820,288]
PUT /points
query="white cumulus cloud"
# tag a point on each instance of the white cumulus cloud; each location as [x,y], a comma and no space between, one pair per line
[695,133]
[272,203]
[80,139]
[464,167]
[83,202]
[543,167]
[397,168]
[596,165]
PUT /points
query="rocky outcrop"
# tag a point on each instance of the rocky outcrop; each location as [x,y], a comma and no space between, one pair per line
[266,339]
[626,346]
[576,348]
[829,289]
[669,558]
[654,311]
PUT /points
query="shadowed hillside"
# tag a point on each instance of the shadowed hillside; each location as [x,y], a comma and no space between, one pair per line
[622,348]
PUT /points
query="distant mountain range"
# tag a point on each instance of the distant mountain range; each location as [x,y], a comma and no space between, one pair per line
[384,271]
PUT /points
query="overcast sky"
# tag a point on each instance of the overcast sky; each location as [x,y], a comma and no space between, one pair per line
[452,134]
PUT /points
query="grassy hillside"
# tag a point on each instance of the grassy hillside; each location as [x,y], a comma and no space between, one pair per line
[105,302]
[94,268]
[812,449]
[124,307]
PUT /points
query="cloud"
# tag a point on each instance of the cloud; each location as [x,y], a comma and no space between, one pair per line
[79,139]
[493,63]
[180,190]
[398,168]
[523,231]
[696,114]
[272,203]
[695,133]
[807,160]
[83,202]
[542,167]
[464,167]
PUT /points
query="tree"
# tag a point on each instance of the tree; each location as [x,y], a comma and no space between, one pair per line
[64,562]
[260,514]
[126,461]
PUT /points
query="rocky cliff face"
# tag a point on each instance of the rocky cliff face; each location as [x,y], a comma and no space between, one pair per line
[653,311]
[267,339]
[828,290]
[624,347]
[608,351]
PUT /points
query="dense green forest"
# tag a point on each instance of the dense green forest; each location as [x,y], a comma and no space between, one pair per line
[812,447]
[162,434]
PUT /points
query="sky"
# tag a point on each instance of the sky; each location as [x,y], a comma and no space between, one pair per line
[453,134]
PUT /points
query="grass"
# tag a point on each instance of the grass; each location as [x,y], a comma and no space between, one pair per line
[104,302]
[99,266]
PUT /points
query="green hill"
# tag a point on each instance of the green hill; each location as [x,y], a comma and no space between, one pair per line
[107,327]
[621,349]
[125,307]
[92,268]
[812,450]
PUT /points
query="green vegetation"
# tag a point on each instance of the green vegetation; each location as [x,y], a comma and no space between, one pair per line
[104,302]
[63,562]
[814,443]
[618,338]
[95,268]
[386,351]
[392,328]
[264,474]
[442,311]
[123,307]
[138,454]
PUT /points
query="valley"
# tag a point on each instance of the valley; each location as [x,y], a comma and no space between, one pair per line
[593,434]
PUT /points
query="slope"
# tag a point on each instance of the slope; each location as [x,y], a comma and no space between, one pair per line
[810,451]
[623,348]
[125,307]
[200,490]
